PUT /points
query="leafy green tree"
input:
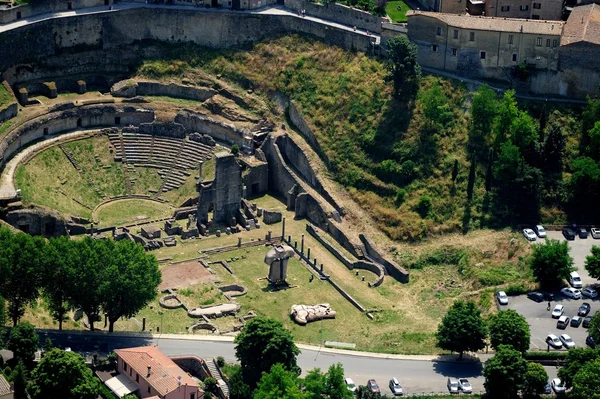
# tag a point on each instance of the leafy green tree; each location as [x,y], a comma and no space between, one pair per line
[262,343]
[59,277]
[365,393]
[2,318]
[507,112]
[594,146]
[279,383]
[403,67]
[505,373]
[462,329]
[235,149]
[587,381]
[19,379]
[436,106]
[553,147]
[551,262]
[585,188]
[23,342]
[589,117]
[576,358]
[129,280]
[315,384]
[524,134]
[535,380]
[509,328]
[455,170]
[336,386]
[471,181]
[238,389]
[483,112]
[65,374]
[210,385]
[424,206]
[592,262]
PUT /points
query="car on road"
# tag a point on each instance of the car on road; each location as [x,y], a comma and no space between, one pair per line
[587,321]
[540,231]
[576,321]
[553,341]
[584,309]
[589,292]
[558,311]
[373,387]
[547,388]
[452,385]
[567,341]
[568,233]
[557,386]
[582,233]
[589,341]
[571,292]
[395,387]
[535,296]
[595,232]
[502,298]
[575,280]
[529,234]
[350,385]
[465,385]
[548,296]
[563,322]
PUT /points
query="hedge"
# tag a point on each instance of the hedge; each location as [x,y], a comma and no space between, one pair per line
[539,355]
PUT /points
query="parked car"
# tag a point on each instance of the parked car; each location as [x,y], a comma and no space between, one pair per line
[589,341]
[584,309]
[582,233]
[586,321]
[540,231]
[558,311]
[595,232]
[373,387]
[502,298]
[395,387]
[567,341]
[465,385]
[589,292]
[529,234]
[553,341]
[547,388]
[568,233]
[452,385]
[535,296]
[548,296]
[571,293]
[557,386]
[575,280]
[563,322]
[350,385]
[576,321]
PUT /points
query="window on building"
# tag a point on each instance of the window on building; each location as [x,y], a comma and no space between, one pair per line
[514,58]
[137,377]
[482,55]
[130,371]
[454,52]
[148,388]
[547,42]
[505,8]
[524,8]
[537,6]
[472,36]
[554,43]
[124,366]
[535,17]
[434,48]
[538,41]
[192,396]
[438,31]
[511,39]
[456,33]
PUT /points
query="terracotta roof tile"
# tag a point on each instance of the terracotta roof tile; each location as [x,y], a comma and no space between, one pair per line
[536,27]
[583,25]
[164,372]
[4,386]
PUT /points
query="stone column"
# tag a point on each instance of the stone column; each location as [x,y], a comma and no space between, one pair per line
[308,254]
[302,245]
[239,241]
[283,229]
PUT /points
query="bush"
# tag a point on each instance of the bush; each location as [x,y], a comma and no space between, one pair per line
[106,393]
[514,290]
[539,355]
[424,206]
[400,196]
[235,149]
[220,361]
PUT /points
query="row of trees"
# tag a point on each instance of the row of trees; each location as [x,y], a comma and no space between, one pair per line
[98,276]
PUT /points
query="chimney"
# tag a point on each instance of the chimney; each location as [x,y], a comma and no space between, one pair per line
[149,370]
[179,381]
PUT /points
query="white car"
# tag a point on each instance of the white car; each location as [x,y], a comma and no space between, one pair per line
[350,384]
[557,311]
[529,234]
[395,387]
[571,293]
[575,280]
[557,386]
[540,231]
[502,298]
[589,292]
[567,341]
[465,386]
[595,232]
[553,341]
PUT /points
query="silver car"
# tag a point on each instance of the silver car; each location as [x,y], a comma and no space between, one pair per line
[540,231]
[395,387]
[452,385]
[502,298]
[465,386]
[529,234]
[589,292]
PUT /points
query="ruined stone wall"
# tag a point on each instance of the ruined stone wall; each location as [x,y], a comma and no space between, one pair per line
[38,222]
[9,110]
[391,267]
[137,88]
[338,13]
[256,179]
[223,132]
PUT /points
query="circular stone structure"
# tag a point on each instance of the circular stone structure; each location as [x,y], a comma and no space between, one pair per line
[130,211]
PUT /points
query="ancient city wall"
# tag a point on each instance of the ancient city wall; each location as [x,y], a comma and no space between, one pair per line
[44,7]
[338,13]
[226,133]
[391,267]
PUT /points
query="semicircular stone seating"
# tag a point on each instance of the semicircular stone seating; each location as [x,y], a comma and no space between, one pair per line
[234,290]
[204,326]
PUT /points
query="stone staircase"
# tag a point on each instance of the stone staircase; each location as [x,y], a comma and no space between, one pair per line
[213,368]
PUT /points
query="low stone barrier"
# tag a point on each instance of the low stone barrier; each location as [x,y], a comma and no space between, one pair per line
[234,290]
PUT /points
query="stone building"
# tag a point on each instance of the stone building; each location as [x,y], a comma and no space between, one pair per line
[526,9]
[483,47]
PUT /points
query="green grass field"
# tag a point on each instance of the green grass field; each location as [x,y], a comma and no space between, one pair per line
[128,211]
[397,15]
[5,97]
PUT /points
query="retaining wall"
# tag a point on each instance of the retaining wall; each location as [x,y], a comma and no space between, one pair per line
[391,267]
[11,109]
[226,133]
[137,88]
[338,13]
[44,7]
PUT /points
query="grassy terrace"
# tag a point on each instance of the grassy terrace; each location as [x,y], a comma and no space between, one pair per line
[5,97]
[396,10]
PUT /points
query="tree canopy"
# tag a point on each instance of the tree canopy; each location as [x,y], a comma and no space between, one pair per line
[23,342]
[263,343]
[551,262]
[587,381]
[592,262]
[279,383]
[509,328]
[535,380]
[403,66]
[505,373]
[462,329]
[576,358]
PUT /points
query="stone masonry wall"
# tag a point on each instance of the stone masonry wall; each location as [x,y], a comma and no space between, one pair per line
[226,133]
[391,267]
[338,13]
[44,7]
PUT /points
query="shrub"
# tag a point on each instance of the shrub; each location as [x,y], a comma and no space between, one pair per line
[514,290]
[220,361]
[539,355]
[235,149]
[400,196]
[424,206]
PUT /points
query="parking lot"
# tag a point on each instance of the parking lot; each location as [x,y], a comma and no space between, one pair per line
[537,315]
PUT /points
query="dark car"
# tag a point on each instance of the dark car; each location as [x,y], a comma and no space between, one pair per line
[589,341]
[584,309]
[582,233]
[587,321]
[548,296]
[576,321]
[373,387]
[535,296]
[547,389]
[568,233]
